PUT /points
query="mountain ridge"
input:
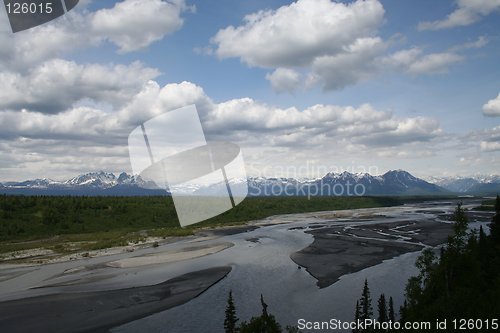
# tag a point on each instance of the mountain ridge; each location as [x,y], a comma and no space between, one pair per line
[393,182]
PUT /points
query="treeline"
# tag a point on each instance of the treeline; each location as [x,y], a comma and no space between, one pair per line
[31,217]
[463,281]
[461,285]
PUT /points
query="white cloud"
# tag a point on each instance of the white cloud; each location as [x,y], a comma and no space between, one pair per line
[82,137]
[284,79]
[492,108]
[153,100]
[490,139]
[80,124]
[308,33]
[232,119]
[356,63]
[467,13]
[480,42]
[413,61]
[490,146]
[434,63]
[333,44]
[317,125]
[56,85]
[134,24]
[298,33]
[130,25]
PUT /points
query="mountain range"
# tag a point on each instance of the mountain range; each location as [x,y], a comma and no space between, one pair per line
[93,183]
[396,182]
[481,184]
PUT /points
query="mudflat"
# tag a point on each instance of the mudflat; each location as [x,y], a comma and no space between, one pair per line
[102,310]
[339,250]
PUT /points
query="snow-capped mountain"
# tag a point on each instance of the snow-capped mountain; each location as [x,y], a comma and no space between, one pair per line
[488,184]
[93,183]
[332,184]
[97,179]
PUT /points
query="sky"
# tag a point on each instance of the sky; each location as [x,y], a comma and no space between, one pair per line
[303,87]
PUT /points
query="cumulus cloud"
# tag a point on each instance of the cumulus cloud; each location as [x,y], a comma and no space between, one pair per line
[232,119]
[297,33]
[355,64]
[308,33]
[134,24]
[36,138]
[317,125]
[284,79]
[130,25]
[335,44]
[57,84]
[467,13]
[492,108]
[79,124]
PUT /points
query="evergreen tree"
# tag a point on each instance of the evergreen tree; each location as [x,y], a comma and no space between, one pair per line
[357,315]
[458,241]
[365,303]
[382,309]
[231,319]
[264,307]
[495,222]
[462,283]
[266,323]
[392,317]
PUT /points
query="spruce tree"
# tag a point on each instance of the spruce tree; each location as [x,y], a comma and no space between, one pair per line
[231,319]
[357,314]
[265,323]
[495,222]
[382,309]
[392,317]
[365,303]
[458,241]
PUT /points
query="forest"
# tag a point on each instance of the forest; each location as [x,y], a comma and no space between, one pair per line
[50,221]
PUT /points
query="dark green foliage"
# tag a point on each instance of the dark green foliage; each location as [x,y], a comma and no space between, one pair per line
[495,223]
[382,309]
[30,217]
[231,319]
[392,316]
[463,282]
[457,241]
[265,323]
[41,217]
[357,315]
[365,303]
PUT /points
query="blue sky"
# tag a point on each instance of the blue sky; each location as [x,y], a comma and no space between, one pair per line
[341,85]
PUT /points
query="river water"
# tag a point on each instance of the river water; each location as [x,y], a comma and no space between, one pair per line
[265,268]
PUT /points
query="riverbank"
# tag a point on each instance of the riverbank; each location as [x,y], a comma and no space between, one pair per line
[100,311]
